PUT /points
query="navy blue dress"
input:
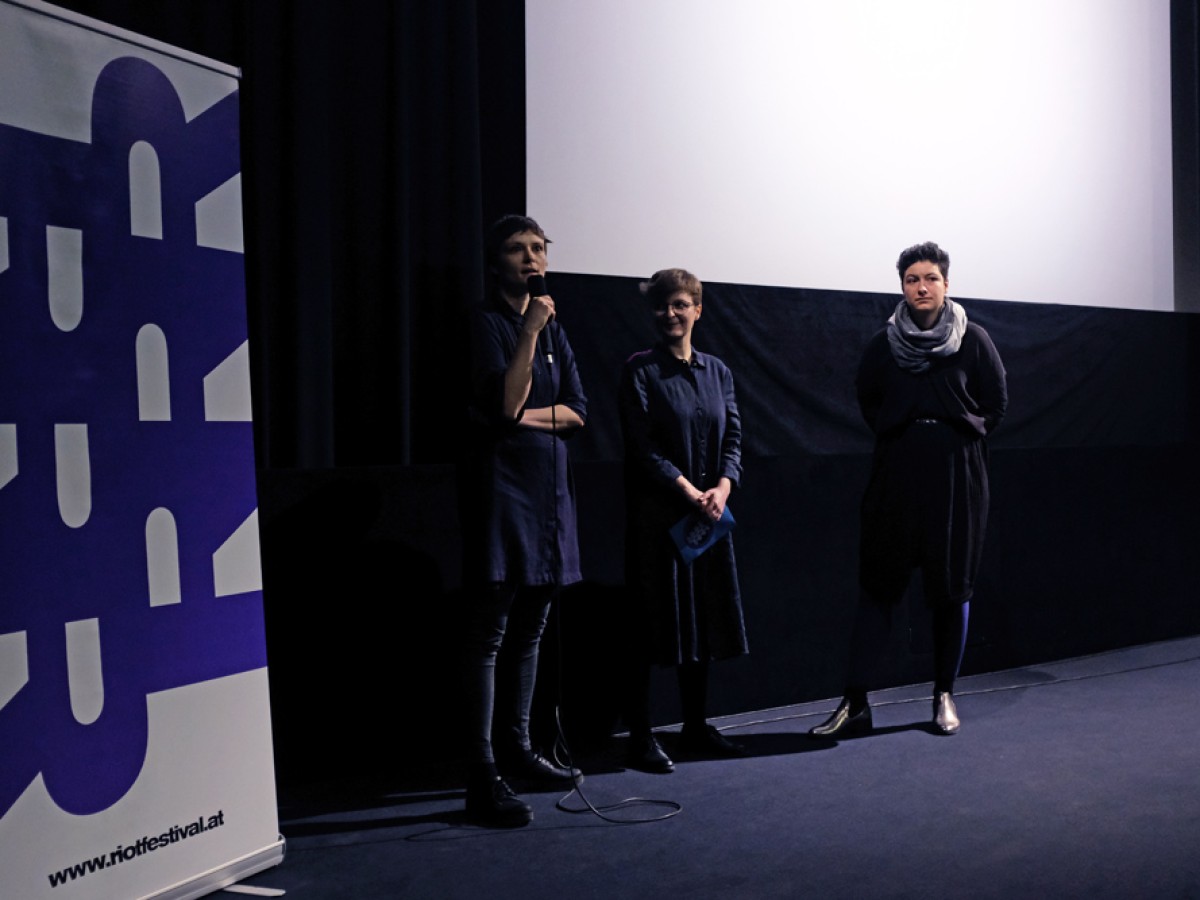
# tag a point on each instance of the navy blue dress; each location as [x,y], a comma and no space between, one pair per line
[680,419]
[517,480]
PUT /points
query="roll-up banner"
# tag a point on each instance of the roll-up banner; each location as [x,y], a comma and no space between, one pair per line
[135,741]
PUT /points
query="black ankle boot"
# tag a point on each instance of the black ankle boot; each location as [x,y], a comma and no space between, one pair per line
[646,755]
[536,769]
[491,802]
[706,741]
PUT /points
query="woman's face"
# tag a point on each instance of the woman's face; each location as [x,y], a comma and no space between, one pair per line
[520,256]
[924,291]
[677,316]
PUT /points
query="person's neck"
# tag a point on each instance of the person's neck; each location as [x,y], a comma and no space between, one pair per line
[681,349]
[520,303]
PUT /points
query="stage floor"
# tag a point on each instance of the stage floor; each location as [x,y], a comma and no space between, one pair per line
[1077,778]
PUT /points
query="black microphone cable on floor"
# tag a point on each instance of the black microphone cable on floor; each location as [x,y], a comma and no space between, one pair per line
[566,761]
[672,807]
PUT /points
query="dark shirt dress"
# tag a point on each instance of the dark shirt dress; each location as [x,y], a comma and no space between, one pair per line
[926,505]
[679,418]
[517,481]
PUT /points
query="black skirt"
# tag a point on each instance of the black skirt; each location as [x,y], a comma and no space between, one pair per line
[925,507]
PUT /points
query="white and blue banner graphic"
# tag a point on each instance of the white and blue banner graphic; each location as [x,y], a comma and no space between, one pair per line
[135,745]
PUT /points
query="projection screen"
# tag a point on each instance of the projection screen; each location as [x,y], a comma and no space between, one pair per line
[801,143]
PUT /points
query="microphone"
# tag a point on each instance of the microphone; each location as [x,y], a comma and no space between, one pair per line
[536,285]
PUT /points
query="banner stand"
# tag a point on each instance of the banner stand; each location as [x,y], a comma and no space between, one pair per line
[135,731]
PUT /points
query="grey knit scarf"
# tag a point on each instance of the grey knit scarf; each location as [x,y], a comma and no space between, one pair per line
[912,347]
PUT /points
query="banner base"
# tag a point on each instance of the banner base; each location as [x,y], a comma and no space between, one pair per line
[223,876]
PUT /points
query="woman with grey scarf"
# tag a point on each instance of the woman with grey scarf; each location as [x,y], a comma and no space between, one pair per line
[932,388]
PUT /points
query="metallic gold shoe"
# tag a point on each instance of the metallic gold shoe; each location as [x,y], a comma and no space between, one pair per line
[843,723]
[945,714]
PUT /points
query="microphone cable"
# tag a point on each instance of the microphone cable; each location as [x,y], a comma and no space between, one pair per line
[560,745]
[671,807]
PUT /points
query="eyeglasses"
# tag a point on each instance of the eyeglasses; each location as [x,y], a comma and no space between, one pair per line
[675,306]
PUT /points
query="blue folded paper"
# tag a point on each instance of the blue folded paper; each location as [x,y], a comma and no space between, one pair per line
[696,532]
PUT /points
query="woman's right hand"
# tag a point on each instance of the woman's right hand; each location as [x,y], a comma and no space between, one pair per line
[539,312]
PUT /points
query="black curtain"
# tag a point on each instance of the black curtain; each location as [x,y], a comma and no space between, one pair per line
[1185,158]
[378,137]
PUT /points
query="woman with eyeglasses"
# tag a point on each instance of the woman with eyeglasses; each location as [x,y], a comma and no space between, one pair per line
[683,457]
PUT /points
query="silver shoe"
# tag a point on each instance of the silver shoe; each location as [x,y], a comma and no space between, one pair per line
[945,713]
[843,724]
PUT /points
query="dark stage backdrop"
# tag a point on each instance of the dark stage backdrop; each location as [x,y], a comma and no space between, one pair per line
[378,138]
[1096,485]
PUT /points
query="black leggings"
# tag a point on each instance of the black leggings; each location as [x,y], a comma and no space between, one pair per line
[515,617]
[873,623]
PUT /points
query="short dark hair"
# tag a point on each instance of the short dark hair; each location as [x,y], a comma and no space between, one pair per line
[926,252]
[504,228]
[666,282]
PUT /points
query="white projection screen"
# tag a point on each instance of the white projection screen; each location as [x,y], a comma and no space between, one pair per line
[804,143]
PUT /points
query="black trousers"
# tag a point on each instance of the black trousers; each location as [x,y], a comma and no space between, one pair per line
[873,623]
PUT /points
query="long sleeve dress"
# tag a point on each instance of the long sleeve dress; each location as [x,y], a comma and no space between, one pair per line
[926,504]
[680,418]
[519,495]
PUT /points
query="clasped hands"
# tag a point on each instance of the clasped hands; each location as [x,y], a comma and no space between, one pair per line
[712,502]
